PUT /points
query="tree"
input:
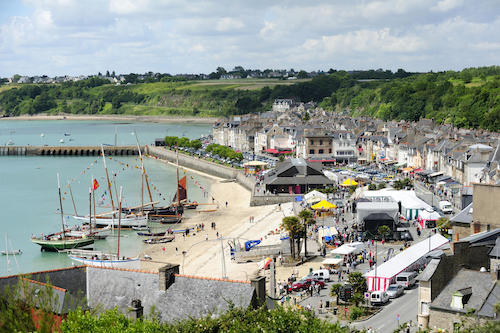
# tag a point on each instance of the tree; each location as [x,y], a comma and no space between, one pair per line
[335,290]
[307,117]
[302,75]
[372,187]
[381,186]
[383,231]
[359,287]
[293,226]
[307,218]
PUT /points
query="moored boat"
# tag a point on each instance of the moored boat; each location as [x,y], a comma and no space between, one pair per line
[100,259]
[159,240]
[11,253]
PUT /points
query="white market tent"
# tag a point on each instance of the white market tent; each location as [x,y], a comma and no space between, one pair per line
[381,277]
[343,250]
[411,205]
[332,261]
[426,215]
[327,232]
[315,196]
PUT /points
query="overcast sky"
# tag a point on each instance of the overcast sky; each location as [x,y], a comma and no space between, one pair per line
[57,37]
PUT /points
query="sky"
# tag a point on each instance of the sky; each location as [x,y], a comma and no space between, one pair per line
[74,37]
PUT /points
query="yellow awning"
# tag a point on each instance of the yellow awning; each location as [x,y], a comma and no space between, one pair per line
[350,182]
[323,204]
[408,169]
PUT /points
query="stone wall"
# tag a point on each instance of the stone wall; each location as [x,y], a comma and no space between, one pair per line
[271,199]
[446,320]
[486,208]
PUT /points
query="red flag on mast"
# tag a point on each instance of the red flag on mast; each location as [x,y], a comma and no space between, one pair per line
[96,184]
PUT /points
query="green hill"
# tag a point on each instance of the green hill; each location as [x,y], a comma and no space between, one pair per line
[469,98]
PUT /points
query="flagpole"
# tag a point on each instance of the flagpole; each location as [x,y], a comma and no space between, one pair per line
[119,222]
[61,207]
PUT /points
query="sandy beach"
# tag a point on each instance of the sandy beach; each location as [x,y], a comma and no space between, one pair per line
[204,257]
[111,117]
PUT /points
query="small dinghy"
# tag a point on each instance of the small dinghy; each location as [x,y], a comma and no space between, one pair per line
[12,252]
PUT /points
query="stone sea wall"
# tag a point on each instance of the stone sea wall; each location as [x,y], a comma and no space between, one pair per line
[220,171]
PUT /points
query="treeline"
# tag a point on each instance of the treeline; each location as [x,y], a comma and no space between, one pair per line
[224,152]
[174,141]
[469,98]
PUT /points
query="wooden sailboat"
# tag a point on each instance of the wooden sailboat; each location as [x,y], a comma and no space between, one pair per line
[61,240]
[133,219]
[101,259]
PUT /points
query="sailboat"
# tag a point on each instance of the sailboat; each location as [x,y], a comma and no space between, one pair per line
[61,240]
[102,220]
[8,252]
[168,214]
[101,259]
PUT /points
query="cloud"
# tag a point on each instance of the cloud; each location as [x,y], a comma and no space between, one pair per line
[446,5]
[228,24]
[83,37]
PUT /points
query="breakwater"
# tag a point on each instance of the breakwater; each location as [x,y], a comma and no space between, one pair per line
[67,151]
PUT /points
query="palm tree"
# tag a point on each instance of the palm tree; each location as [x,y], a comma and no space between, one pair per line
[383,231]
[293,226]
[307,218]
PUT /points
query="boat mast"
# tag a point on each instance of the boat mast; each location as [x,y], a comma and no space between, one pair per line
[7,253]
[177,170]
[90,205]
[61,207]
[119,222]
[109,183]
[72,200]
[145,175]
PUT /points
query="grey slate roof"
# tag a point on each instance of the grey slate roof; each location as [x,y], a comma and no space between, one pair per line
[482,236]
[488,308]
[429,270]
[495,251]
[464,216]
[480,282]
[186,297]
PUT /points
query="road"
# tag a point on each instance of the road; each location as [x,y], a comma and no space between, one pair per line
[386,320]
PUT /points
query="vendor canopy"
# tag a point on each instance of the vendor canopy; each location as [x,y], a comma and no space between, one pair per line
[344,250]
[315,196]
[332,261]
[255,163]
[380,278]
[349,182]
[323,204]
[429,215]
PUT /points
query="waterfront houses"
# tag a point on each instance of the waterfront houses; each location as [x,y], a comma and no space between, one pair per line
[465,156]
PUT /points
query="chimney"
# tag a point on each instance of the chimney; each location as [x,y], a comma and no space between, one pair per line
[166,276]
[136,310]
[259,284]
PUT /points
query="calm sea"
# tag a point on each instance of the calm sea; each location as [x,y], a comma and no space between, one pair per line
[29,199]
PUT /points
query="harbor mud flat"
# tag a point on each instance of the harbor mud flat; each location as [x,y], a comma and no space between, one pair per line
[127,118]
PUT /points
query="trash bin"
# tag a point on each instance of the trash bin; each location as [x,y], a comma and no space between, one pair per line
[335,309]
[327,304]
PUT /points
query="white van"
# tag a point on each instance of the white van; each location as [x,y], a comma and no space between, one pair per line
[321,274]
[406,279]
[379,297]
[446,207]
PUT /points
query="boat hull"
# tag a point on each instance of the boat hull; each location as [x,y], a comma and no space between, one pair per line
[126,222]
[62,244]
[131,263]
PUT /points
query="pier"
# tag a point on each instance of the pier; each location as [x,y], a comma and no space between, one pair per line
[67,151]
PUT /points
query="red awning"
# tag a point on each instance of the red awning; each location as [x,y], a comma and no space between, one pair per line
[274,151]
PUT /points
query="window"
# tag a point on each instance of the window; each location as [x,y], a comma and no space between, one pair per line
[330,151]
[477,227]
[311,151]
[424,308]
[320,142]
[320,151]
[312,142]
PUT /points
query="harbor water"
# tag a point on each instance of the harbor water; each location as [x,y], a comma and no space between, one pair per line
[29,198]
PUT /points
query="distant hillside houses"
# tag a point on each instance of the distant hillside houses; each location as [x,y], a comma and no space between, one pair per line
[455,156]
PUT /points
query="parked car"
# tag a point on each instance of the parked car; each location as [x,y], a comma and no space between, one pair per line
[406,279]
[379,297]
[304,283]
[395,290]
[320,274]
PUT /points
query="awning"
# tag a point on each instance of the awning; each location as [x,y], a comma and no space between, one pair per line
[399,165]
[408,169]
[332,261]
[419,170]
[349,182]
[274,151]
[323,204]
[435,174]
[255,163]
